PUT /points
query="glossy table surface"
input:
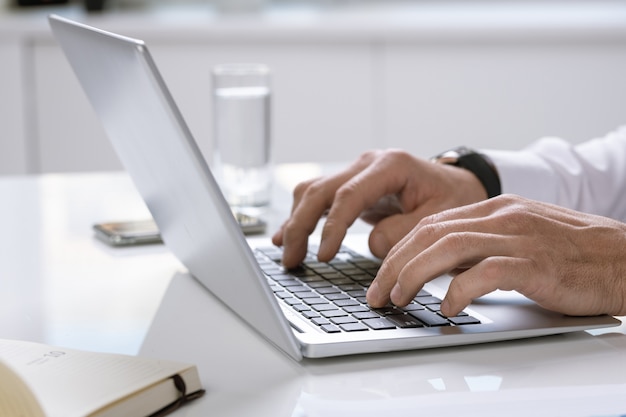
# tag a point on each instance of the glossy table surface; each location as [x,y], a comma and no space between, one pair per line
[60,285]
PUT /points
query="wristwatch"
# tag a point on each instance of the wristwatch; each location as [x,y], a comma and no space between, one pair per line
[478,164]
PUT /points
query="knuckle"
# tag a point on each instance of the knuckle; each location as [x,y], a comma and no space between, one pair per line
[456,289]
[367,158]
[456,242]
[315,189]
[513,215]
[369,155]
[302,187]
[429,222]
[397,156]
[293,231]
[492,269]
[348,191]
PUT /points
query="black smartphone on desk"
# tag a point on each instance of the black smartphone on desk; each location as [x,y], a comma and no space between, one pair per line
[144,232]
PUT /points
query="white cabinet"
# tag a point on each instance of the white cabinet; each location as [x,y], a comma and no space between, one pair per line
[322,107]
[67,134]
[422,78]
[500,94]
[13,147]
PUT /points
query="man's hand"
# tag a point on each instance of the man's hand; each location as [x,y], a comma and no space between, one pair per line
[390,189]
[566,261]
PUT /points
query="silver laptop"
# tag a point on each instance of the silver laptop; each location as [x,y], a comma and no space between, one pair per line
[315,311]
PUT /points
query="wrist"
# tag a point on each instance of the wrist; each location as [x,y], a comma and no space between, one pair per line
[478,164]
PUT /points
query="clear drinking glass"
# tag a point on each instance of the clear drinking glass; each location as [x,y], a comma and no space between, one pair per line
[242,136]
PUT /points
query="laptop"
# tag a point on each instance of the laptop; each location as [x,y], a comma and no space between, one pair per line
[317,310]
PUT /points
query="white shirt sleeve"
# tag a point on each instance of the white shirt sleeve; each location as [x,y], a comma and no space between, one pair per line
[589,177]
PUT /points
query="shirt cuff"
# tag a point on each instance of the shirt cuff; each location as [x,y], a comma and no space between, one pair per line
[525,174]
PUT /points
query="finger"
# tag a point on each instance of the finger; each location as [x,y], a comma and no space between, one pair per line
[503,273]
[394,228]
[461,249]
[382,178]
[311,201]
[383,208]
[496,217]
[277,237]
[401,276]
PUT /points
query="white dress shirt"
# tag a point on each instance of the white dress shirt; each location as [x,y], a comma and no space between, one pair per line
[589,177]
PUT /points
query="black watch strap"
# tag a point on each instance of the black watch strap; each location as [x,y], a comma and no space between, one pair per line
[478,164]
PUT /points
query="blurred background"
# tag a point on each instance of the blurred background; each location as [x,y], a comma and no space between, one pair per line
[348,75]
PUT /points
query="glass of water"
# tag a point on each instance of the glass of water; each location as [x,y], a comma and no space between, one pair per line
[242,135]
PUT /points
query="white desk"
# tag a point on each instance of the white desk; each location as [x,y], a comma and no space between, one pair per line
[59,285]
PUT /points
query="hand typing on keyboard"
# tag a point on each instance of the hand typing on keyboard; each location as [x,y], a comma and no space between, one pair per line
[430,219]
[564,260]
[390,189]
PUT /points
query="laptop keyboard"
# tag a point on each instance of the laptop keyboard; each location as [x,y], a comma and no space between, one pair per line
[332,295]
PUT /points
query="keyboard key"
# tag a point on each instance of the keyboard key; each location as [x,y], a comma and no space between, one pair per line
[311,278]
[324,307]
[337,296]
[353,327]
[360,308]
[387,310]
[357,293]
[333,313]
[413,307]
[429,299]
[303,272]
[330,328]
[365,315]
[289,282]
[362,277]
[429,318]
[343,320]
[282,294]
[365,263]
[405,321]
[320,321]
[282,277]
[436,308]
[342,265]
[461,320]
[306,295]
[347,302]
[297,288]
[319,284]
[328,290]
[332,276]
[351,271]
[314,301]
[325,269]
[350,287]
[380,323]
[292,301]
[310,314]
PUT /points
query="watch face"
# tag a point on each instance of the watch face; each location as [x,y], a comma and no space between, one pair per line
[452,156]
